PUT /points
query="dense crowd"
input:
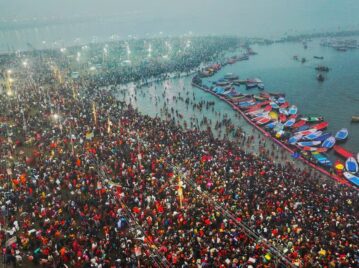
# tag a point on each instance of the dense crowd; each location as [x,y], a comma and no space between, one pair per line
[87,181]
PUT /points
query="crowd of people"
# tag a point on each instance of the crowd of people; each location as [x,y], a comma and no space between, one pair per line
[87,181]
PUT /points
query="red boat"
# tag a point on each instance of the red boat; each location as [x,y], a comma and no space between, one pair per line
[263,121]
[293,116]
[268,108]
[321,126]
[300,123]
[342,151]
[282,118]
[284,105]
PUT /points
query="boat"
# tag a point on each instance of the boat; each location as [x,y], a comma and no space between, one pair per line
[231,76]
[313,136]
[299,123]
[342,134]
[318,57]
[312,118]
[260,86]
[322,159]
[351,178]
[262,114]
[273,115]
[279,126]
[355,119]
[274,105]
[281,100]
[282,118]
[283,111]
[329,142]
[351,165]
[268,108]
[264,120]
[284,105]
[308,143]
[306,132]
[342,151]
[320,77]
[310,148]
[271,124]
[289,122]
[218,90]
[251,85]
[294,139]
[320,126]
[222,83]
[323,137]
[302,128]
[339,167]
[293,110]
[322,68]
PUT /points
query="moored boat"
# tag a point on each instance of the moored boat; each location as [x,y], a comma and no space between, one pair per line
[322,159]
[308,143]
[312,118]
[342,151]
[293,110]
[351,178]
[320,126]
[289,122]
[329,142]
[294,139]
[351,165]
[323,137]
[313,136]
[342,134]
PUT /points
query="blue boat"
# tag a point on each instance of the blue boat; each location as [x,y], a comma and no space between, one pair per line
[329,142]
[323,137]
[308,143]
[342,134]
[313,136]
[294,139]
[218,90]
[293,110]
[281,100]
[323,160]
[283,111]
[289,122]
[271,125]
[274,105]
[302,128]
[351,178]
[351,165]
[245,104]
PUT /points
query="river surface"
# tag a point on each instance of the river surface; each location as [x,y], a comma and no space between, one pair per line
[337,98]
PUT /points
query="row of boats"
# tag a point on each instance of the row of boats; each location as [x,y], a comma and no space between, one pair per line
[230,81]
[304,134]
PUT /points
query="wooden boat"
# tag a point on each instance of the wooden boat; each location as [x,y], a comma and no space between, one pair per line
[264,120]
[329,142]
[273,115]
[284,105]
[293,110]
[282,118]
[306,132]
[351,165]
[322,159]
[299,123]
[323,137]
[355,118]
[313,136]
[320,126]
[342,134]
[289,122]
[308,143]
[312,118]
[294,139]
[302,128]
[342,151]
[351,178]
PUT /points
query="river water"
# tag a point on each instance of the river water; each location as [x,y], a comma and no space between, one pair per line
[337,98]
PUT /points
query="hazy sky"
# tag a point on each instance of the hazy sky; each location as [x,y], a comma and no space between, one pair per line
[244,17]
